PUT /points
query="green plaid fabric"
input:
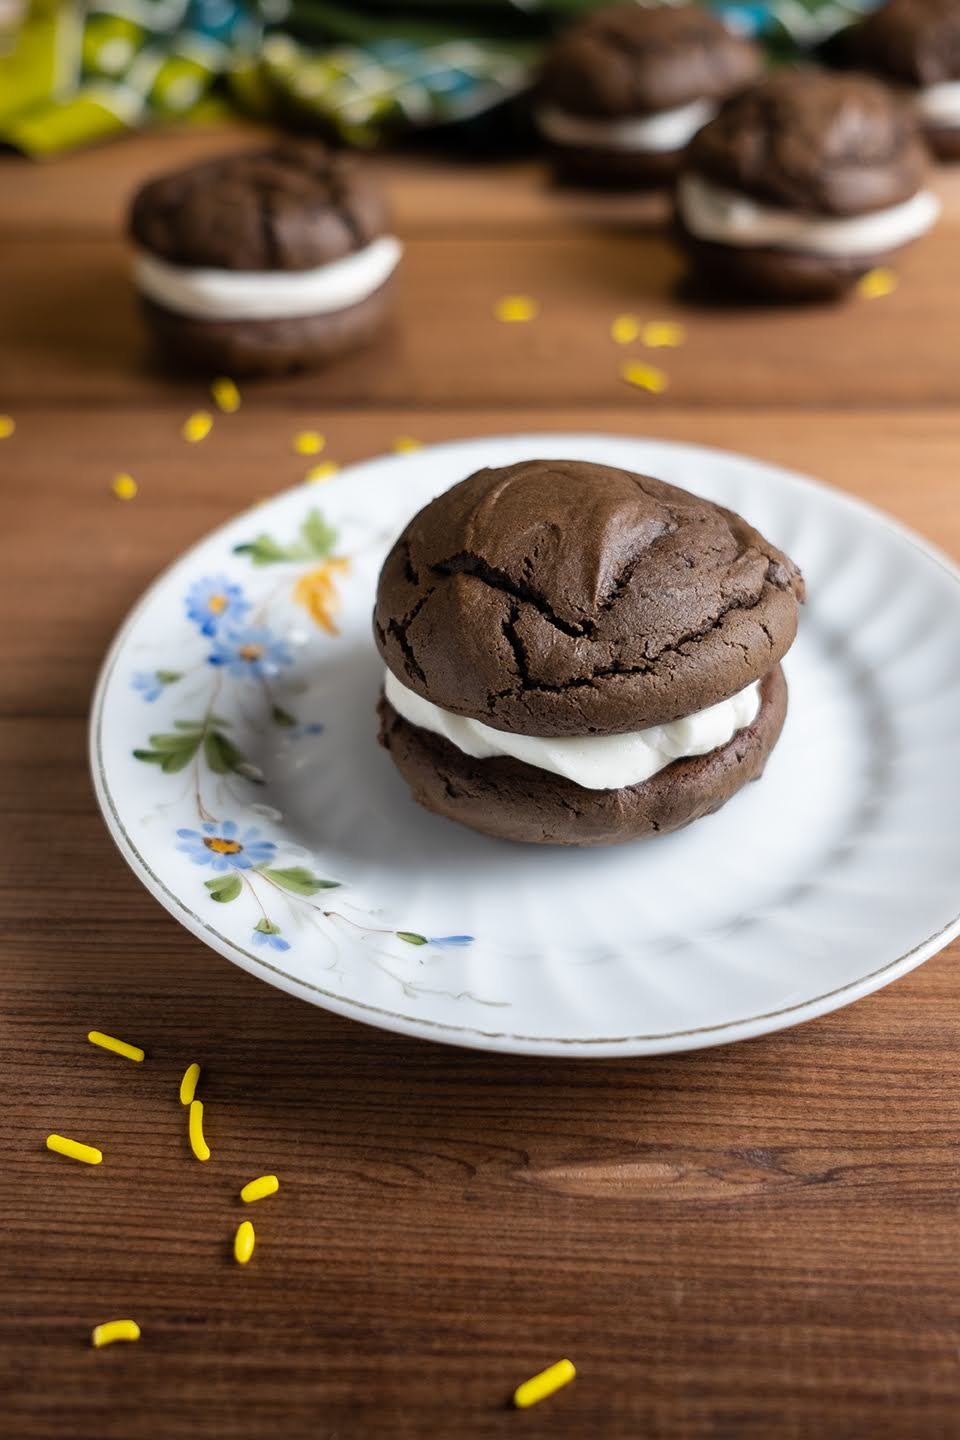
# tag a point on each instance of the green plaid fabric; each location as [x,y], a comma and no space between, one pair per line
[72,74]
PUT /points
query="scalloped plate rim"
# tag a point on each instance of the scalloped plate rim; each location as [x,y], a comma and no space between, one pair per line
[474,1037]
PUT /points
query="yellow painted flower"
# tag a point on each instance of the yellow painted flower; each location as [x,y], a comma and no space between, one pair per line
[317,592]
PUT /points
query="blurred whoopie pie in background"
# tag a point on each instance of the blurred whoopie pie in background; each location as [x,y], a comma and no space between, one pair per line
[621,92]
[803,184]
[265,262]
[916,44]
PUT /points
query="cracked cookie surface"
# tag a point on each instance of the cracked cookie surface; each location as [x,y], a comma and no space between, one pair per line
[914,41]
[816,142]
[558,597]
[294,206]
[629,60]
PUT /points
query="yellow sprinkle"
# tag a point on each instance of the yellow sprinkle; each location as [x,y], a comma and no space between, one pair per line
[198,1145]
[197,426]
[74,1150]
[663,334]
[625,329]
[308,442]
[538,1387]
[645,377]
[513,309]
[188,1085]
[113,1330]
[403,443]
[243,1242]
[124,487]
[877,283]
[7,426]
[119,1047]
[323,471]
[259,1188]
[225,394]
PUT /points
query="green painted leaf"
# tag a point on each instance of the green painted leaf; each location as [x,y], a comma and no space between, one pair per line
[317,541]
[264,550]
[152,757]
[168,677]
[213,753]
[180,740]
[221,754]
[299,880]
[318,536]
[267,927]
[189,725]
[283,717]
[411,937]
[224,888]
[175,760]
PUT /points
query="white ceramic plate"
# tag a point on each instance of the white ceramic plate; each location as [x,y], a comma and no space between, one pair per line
[837,872]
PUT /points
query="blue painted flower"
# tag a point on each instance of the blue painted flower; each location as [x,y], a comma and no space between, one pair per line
[150,683]
[214,602]
[298,732]
[254,652]
[224,848]
[266,933]
[146,683]
[449,941]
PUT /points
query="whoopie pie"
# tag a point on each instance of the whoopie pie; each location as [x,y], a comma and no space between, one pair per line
[263,263]
[914,44]
[804,183]
[579,655]
[622,91]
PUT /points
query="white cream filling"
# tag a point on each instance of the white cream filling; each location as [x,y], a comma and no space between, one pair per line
[595,762]
[659,133]
[940,104]
[267,294]
[730,218]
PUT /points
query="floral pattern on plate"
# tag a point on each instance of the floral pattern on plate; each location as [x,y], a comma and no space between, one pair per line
[826,880]
[241,646]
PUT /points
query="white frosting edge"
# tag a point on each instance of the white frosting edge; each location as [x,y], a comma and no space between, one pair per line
[594,762]
[659,133]
[940,104]
[267,294]
[729,217]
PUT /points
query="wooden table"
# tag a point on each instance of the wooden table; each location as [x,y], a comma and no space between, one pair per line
[746,1242]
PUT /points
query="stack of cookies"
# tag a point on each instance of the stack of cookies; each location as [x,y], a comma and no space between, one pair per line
[578,655]
[791,187]
[915,46]
[803,184]
[622,92]
[263,263]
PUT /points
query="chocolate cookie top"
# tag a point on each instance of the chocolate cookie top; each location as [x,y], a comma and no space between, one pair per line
[557,597]
[813,141]
[916,41]
[630,60]
[291,207]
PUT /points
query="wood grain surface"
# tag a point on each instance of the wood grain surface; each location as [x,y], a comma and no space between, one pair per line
[738,1244]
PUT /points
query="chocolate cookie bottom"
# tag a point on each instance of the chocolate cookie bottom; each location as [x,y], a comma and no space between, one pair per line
[777,274]
[513,801]
[944,141]
[265,347]
[592,167]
